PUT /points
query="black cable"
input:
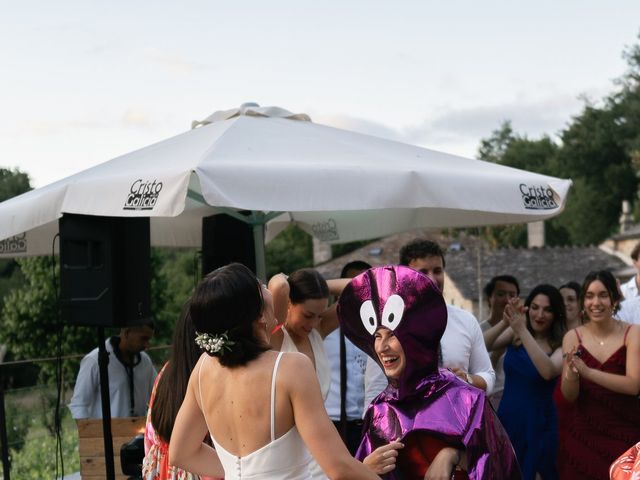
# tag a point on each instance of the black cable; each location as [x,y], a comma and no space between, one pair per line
[58,365]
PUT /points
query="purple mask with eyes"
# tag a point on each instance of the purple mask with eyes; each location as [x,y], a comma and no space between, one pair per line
[406,302]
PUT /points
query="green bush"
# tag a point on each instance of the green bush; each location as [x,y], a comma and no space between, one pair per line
[37,458]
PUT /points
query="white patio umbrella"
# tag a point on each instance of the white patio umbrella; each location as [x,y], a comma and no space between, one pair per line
[338,185]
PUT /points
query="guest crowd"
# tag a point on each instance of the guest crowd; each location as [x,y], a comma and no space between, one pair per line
[374,375]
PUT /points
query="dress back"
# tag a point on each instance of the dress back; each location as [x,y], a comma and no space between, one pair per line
[283,458]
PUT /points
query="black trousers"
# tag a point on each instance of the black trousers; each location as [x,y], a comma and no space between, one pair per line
[353,434]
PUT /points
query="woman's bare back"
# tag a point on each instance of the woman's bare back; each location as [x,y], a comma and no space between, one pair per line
[239,399]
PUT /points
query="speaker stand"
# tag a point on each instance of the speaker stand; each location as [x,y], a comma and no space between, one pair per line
[103,363]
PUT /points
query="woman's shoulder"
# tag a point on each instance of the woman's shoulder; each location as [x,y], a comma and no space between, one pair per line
[572,337]
[295,359]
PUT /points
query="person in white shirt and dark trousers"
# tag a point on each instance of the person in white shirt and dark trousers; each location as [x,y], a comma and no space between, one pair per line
[345,401]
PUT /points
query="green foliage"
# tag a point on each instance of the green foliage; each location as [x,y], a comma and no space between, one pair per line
[18,425]
[12,183]
[290,250]
[175,275]
[30,320]
[493,149]
[36,460]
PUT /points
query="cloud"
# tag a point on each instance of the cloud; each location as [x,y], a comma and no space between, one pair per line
[137,117]
[459,130]
[360,125]
[172,62]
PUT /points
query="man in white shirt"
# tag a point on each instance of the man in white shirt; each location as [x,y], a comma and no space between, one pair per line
[629,311]
[345,401]
[630,289]
[131,376]
[462,345]
[498,291]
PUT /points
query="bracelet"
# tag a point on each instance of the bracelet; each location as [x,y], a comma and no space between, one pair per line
[469,379]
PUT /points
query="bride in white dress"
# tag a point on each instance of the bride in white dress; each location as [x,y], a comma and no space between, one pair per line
[263,409]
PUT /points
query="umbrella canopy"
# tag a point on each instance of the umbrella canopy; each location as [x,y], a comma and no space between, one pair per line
[338,185]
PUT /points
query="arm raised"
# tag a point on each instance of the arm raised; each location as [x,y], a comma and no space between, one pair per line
[279,288]
[549,367]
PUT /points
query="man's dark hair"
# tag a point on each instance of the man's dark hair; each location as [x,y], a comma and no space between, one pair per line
[355,265]
[420,248]
[635,253]
[491,285]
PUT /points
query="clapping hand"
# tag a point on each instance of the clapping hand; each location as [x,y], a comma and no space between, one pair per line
[576,364]
[383,459]
[514,314]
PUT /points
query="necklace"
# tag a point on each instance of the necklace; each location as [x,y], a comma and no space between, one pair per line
[602,341]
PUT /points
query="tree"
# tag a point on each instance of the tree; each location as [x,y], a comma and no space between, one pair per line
[506,147]
[12,183]
[290,250]
[493,149]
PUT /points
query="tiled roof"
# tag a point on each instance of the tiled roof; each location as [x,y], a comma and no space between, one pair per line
[531,266]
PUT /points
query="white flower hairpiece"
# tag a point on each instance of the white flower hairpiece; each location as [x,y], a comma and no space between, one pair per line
[213,344]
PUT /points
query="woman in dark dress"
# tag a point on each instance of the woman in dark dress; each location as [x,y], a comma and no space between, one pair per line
[533,361]
[601,376]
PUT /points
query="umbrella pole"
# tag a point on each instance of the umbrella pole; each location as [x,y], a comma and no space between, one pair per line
[258,245]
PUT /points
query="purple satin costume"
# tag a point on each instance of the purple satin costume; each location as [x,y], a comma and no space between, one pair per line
[425,398]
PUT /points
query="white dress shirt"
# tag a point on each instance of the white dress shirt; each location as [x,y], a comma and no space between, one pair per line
[356,363]
[629,289]
[86,401]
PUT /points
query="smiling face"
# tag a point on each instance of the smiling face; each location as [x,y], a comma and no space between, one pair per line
[304,317]
[540,314]
[390,353]
[598,305]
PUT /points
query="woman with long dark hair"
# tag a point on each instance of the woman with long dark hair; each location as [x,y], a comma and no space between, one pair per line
[533,336]
[601,377]
[166,398]
[263,409]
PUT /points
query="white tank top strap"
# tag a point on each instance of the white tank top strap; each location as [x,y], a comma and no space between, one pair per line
[273,396]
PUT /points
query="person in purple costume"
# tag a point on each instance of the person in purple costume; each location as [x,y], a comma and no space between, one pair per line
[429,410]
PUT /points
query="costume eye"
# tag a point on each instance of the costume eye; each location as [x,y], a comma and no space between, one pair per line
[392,313]
[368,316]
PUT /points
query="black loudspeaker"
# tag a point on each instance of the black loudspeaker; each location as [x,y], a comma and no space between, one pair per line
[224,240]
[105,270]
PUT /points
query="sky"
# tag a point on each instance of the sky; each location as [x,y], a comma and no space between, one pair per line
[85,81]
